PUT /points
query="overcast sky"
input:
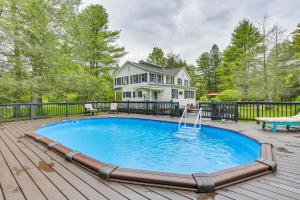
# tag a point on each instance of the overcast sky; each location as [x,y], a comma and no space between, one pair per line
[189,27]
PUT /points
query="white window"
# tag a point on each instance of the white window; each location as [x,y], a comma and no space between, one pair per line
[189,94]
[126,94]
[179,81]
[118,81]
[140,94]
[186,83]
[160,79]
[152,78]
[169,80]
[174,94]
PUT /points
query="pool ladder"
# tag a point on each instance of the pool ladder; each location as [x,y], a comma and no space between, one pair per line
[197,123]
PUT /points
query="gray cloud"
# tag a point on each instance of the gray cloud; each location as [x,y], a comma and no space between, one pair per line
[189,27]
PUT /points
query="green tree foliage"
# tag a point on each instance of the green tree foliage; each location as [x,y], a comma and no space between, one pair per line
[157,57]
[284,71]
[241,57]
[208,65]
[204,99]
[296,40]
[231,95]
[174,61]
[94,42]
[259,63]
[49,50]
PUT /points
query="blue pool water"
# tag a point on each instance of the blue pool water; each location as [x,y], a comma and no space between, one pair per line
[154,145]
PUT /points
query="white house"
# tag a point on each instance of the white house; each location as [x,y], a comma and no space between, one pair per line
[148,82]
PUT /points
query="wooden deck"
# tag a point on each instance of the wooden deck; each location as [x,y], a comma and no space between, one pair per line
[29,170]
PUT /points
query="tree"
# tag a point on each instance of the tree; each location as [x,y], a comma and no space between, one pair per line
[203,64]
[296,40]
[264,46]
[157,57]
[11,40]
[94,42]
[48,46]
[208,64]
[241,57]
[215,61]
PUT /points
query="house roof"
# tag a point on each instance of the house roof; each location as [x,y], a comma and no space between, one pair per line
[154,68]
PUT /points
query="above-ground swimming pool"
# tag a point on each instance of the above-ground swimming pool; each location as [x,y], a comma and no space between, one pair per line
[156,152]
[154,145]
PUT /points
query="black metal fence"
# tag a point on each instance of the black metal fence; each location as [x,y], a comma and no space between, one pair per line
[214,110]
[10,112]
[248,110]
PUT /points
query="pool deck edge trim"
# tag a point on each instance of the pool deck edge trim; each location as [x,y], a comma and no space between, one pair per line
[201,182]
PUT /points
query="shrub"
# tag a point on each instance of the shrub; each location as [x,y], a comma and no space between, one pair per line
[231,95]
[297,98]
[215,99]
[204,99]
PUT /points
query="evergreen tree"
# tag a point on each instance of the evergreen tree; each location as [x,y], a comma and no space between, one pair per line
[208,65]
[94,41]
[241,57]
[215,61]
[157,57]
[296,40]
[48,46]
[204,67]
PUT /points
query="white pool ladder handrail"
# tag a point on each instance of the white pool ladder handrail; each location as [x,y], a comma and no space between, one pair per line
[183,116]
[198,120]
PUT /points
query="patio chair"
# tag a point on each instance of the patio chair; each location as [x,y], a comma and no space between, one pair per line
[89,109]
[113,108]
[280,121]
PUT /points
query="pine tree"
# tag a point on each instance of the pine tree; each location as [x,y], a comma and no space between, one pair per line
[240,58]
[296,40]
[95,42]
[215,61]
[157,57]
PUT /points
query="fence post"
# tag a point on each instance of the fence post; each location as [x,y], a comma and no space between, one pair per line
[67,109]
[172,108]
[154,108]
[257,111]
[147,107]
[214,111]
[128,107]
[31,111]
[236,113]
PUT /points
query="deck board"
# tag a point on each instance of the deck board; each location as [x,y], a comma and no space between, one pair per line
[50,167]
[22,176]
[9,186]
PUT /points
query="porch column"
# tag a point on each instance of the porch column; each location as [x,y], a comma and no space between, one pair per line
[150,95]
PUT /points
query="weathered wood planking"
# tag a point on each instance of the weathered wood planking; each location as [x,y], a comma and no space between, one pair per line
[28,170]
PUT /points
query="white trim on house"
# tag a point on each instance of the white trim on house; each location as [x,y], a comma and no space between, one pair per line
[146,82]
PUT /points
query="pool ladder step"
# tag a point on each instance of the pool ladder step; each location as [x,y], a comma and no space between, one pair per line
[183,120]
[187,129]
